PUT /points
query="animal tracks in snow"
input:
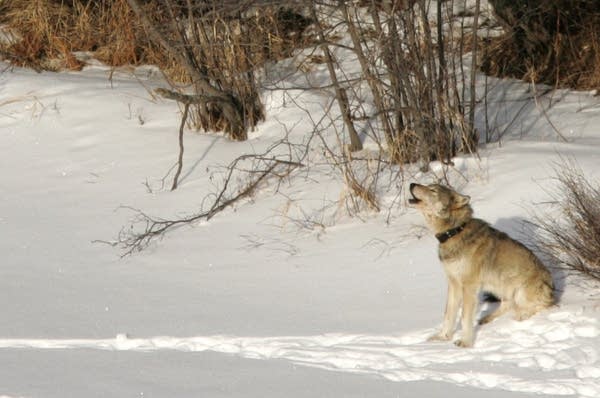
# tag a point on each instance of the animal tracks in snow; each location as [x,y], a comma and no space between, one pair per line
[551,355]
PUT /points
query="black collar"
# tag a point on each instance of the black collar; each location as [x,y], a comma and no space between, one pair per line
[444,236]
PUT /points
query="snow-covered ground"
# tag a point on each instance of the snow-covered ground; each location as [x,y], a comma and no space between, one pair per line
[260,301]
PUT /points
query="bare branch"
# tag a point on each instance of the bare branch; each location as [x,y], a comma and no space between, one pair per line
[264,166]
[180,158]
[574,242]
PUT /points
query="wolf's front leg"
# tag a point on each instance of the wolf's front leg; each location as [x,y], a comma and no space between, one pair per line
[452,304]
[469,293]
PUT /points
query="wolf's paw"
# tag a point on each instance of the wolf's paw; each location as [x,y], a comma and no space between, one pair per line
[439,337]
[463,343]
[485,319]
[521,316]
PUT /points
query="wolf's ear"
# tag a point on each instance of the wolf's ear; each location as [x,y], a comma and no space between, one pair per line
[461,200]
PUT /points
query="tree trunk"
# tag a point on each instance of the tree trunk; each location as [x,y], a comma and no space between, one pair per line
[355,35]
[340,93]
[471,140]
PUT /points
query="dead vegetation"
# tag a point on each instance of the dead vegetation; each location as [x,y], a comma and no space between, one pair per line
[413,97]
[51,32]
[421,100]
[239,181]
[571,236]
[221,46]
[554,42]
[207,48]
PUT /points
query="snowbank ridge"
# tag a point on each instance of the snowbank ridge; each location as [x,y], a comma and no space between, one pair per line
[560,346]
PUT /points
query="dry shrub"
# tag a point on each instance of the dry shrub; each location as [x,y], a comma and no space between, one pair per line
[218,46]
[231,46]
[52,30]
[423,101]
[554,42]
[209,43]
[274,33]
[572,240]
[40,25]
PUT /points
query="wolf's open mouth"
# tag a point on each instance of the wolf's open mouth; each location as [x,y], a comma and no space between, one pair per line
[414,200]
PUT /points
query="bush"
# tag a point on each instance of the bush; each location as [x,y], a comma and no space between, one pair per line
[50,31]
[216,46]
[547,41]
[220,46]
[571,238]
[423,101]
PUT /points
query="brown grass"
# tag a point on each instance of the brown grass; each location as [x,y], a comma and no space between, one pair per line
[229,49]
[52,30]
[226,46]
[556,43]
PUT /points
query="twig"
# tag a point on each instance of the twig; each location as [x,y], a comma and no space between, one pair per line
[154,228]
[541,108]
[180,158]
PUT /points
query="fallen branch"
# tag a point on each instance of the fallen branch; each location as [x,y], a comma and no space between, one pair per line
[190,99]
[264,166]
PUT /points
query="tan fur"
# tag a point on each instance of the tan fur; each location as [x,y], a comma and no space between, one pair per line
[480,258]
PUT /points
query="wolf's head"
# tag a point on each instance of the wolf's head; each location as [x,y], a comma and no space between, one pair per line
[442,207]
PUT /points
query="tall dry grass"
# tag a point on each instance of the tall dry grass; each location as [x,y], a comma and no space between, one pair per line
[51,31]
[556,42]
[214,44]
[220,46]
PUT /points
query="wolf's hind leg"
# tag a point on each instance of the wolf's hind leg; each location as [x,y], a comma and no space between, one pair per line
[530,299]
[505,306]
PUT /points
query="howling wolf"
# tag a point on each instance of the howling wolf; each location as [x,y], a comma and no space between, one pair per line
[477,257]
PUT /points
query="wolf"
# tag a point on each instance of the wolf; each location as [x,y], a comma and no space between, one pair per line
[477,257]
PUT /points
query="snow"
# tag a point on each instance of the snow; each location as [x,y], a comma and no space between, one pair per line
[558,347]
[281,295]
